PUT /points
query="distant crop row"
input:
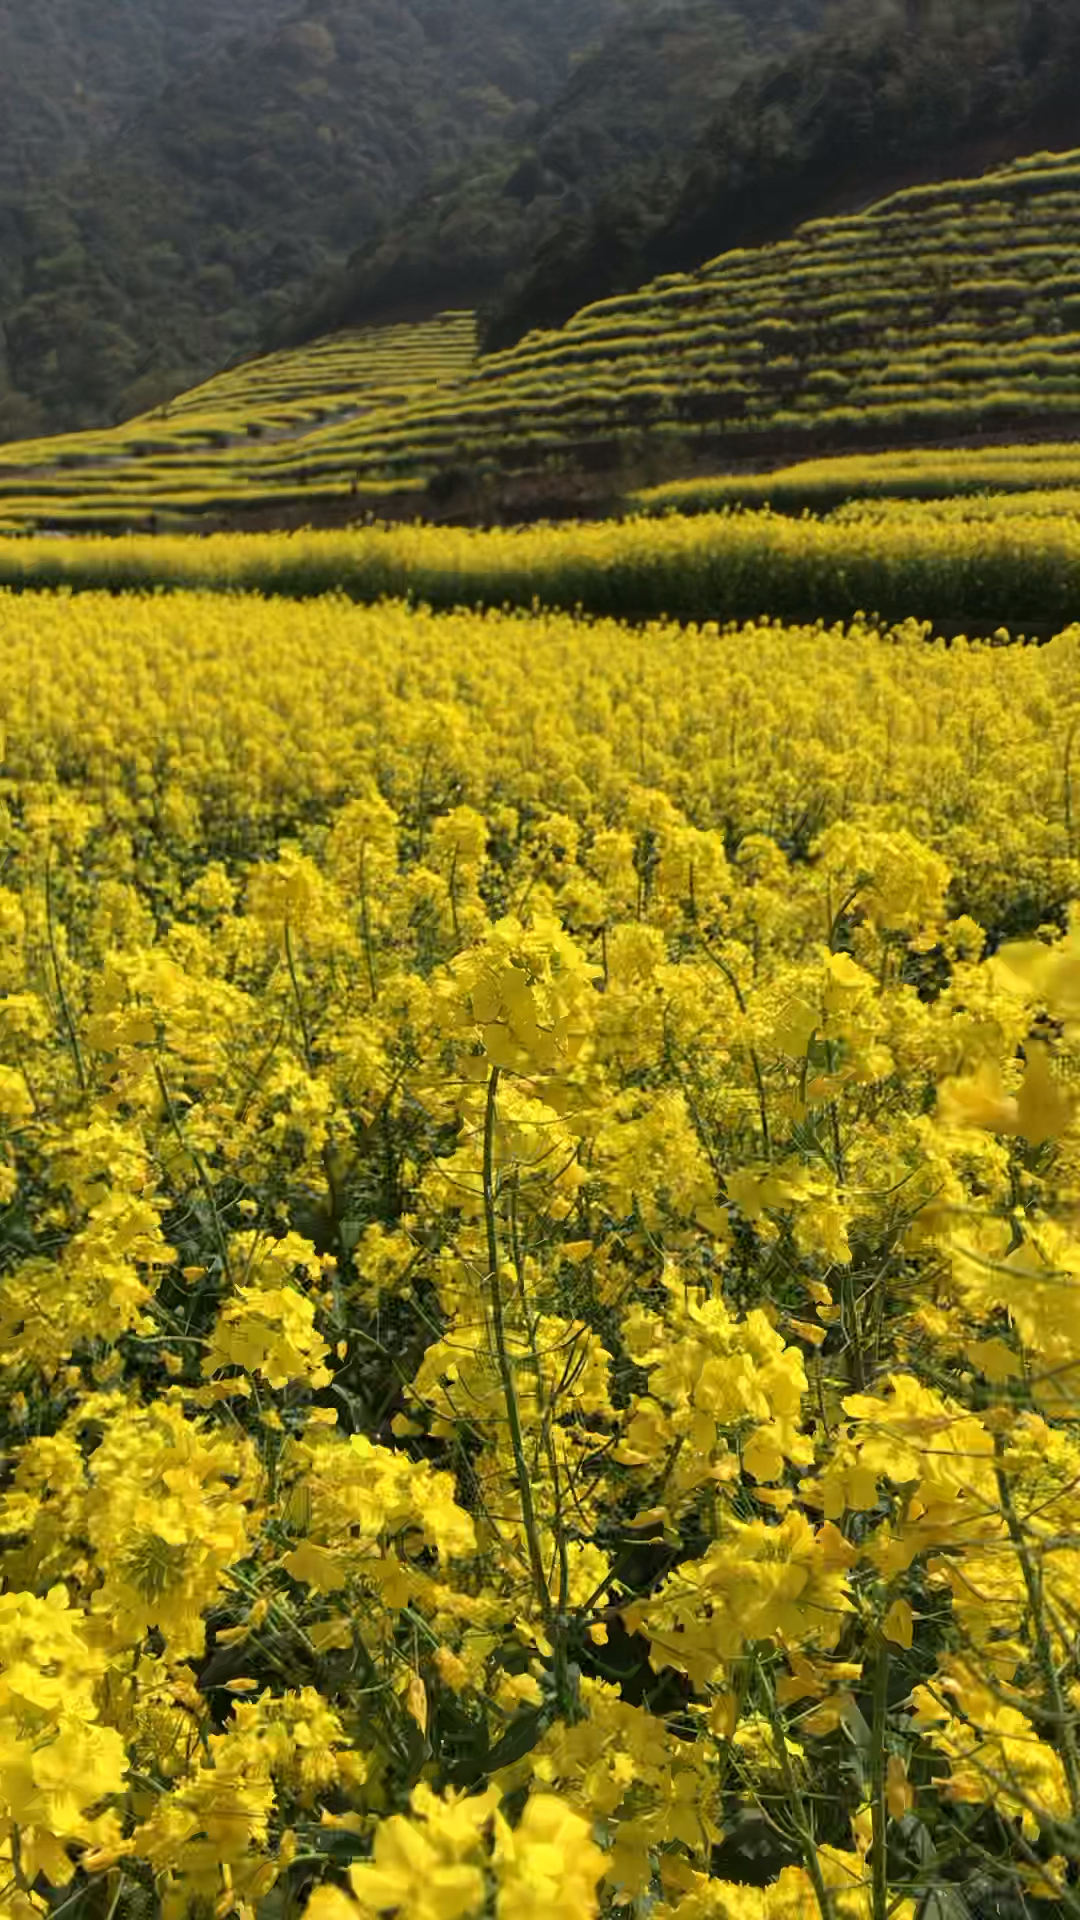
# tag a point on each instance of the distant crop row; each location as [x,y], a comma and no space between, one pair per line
[911,473]
[1013,562]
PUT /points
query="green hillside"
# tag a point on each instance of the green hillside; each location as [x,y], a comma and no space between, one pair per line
[367,161]
[889,94]
[72,71]
[632,109]
[940,311]
[179,193]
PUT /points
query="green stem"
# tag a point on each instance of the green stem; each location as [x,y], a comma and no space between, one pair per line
[565,1690]
[115,1901]
[1067,788]
[759,1078]
[849,900]
[305,1031]
[879,1811]
[853,1329]
[506,1368]
[1055,1698]
[255,1079]
[16,1861]
[203,1176]
[365,924]
[800,1819]
[452,889]
[65,1009]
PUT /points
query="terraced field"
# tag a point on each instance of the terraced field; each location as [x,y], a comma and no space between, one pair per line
[1035,475]
[236,440]
[940,312]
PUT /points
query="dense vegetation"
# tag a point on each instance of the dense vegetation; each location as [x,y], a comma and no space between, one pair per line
[180,240]
[621,126]
[73,71]
[981,566]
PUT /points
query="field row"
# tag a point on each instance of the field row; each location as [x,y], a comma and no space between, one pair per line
[921,473]
[1007,561]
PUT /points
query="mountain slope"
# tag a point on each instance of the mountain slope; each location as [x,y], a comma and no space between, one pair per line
[630,111]
[188,233]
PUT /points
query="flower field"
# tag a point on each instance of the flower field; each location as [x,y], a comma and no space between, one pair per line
[985,565]
[540,1237]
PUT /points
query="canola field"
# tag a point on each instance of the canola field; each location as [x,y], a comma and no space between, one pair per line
[539,1260]
[916,473]
[991,564]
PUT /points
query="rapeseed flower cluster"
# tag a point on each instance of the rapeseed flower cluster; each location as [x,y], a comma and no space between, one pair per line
[540,1184]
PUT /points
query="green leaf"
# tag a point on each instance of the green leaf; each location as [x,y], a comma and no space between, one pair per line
[526,1729]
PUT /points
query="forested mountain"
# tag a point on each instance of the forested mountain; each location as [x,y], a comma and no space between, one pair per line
[71,71]
[620,128]
[180,237]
